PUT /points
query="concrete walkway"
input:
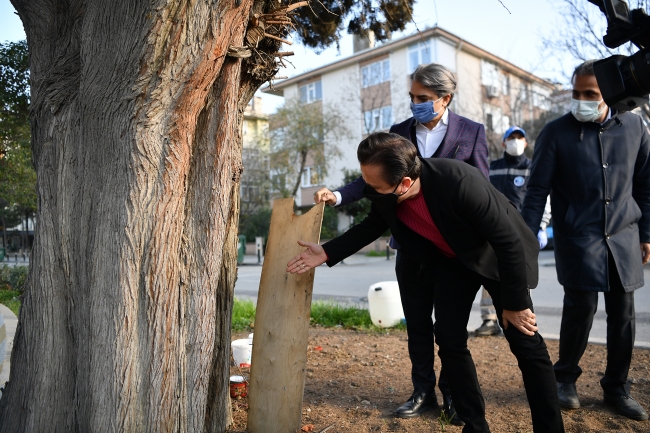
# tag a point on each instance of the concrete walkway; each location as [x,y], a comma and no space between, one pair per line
[11,321]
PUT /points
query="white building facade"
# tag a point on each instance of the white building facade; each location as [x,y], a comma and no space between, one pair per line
[372,86]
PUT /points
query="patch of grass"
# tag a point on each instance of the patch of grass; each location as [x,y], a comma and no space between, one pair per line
[10,299]
[326,314]
[243,315]
[329,314]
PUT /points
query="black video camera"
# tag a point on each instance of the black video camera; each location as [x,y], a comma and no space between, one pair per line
[624,81]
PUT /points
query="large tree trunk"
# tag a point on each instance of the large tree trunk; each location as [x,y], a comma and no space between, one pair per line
[136,113]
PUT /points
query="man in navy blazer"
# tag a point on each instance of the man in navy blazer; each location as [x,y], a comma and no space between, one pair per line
[463,233]
[436,132]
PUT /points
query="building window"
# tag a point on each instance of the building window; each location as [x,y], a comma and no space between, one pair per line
[311,92]
[523,92]
[378,119]
[541,97]
[505,84]
[311,176]
[375,73]
[419,54]
[542,102]
[489,123]
[490,78]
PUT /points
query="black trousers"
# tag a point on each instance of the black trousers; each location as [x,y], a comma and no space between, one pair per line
[417,303]
[577,318]
[454,288]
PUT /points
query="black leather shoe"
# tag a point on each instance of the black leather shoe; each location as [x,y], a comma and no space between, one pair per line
[568,396]
[418,403]
[627,406]
[450,411]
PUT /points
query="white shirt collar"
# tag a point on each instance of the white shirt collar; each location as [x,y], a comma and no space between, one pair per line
[609,115]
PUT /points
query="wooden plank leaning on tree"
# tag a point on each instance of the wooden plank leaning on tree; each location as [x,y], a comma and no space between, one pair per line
[277,377]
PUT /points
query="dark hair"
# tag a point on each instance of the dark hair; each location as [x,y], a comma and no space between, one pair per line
[395,154]
[584,69]
[437,78]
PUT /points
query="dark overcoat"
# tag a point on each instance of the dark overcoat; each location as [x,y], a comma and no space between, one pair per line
[485,231]
[599,180]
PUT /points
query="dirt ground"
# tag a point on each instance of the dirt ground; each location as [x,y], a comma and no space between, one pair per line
[356,381]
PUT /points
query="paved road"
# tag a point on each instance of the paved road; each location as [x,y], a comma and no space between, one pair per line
[349,284]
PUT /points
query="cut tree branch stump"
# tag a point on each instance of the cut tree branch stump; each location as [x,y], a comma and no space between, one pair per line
[277,380]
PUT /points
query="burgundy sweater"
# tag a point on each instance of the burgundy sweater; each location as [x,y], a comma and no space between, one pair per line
[415,215]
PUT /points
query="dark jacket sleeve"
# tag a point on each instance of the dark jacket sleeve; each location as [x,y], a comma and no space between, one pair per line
[479,157]
[483,208]
[641,186]
[352,192]
[542,171]
[356,238]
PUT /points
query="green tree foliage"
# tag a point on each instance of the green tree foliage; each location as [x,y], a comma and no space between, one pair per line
[358,209]
[330,227]
[303,135]
[320,25]
[17,175]
[255,190]
[14,90]
[18,179]
[256,224]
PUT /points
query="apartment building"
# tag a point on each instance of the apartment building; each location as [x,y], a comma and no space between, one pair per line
[372,85]
[254,184]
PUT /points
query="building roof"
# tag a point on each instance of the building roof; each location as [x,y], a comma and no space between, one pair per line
[369,53]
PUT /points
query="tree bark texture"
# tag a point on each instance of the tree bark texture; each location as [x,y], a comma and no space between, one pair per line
[136,120]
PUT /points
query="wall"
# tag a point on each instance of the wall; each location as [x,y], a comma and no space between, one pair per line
[400,84]
[341,90]
[469,94]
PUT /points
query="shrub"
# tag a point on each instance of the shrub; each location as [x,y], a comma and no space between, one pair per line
[18,277]
[13,277]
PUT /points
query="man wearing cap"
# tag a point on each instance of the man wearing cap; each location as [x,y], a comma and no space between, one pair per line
[509,175]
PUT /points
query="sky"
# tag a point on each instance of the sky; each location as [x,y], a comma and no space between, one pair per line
[510,29]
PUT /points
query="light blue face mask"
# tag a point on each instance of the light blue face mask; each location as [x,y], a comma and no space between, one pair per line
[586,111]
[424,112]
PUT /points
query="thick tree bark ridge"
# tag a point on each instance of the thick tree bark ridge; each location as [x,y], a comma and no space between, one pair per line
[136,134]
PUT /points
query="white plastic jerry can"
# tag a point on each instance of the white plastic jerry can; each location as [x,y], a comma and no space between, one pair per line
[385,304]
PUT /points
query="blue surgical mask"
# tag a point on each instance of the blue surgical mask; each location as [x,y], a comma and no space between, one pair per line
[424,112]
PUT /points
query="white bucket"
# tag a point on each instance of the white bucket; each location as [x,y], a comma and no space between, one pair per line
[384,304]
[242,350]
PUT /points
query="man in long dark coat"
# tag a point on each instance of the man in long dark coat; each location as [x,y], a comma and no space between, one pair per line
[595,162]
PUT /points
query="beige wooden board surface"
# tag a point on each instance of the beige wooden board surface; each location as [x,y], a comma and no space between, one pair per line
[279,358]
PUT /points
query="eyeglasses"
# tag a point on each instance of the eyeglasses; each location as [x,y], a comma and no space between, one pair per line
[400,182]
